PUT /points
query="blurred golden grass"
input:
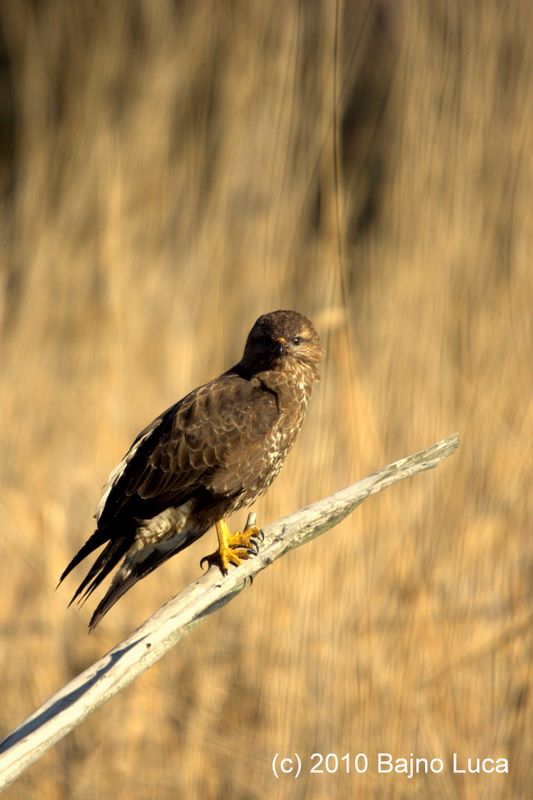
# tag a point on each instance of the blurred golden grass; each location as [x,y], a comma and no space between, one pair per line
[175,170]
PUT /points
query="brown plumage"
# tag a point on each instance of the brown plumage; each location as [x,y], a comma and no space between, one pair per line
[208,455]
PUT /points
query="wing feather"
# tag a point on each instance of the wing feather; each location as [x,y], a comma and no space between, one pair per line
[209,441]
[204,435]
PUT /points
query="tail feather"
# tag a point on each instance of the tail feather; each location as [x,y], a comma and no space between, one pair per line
[136,565]
[138,562]
[98,538]
[103,565]
[118,543]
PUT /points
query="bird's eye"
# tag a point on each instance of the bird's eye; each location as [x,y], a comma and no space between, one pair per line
[296,340]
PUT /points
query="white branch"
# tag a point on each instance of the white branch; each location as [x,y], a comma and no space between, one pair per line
[66,709]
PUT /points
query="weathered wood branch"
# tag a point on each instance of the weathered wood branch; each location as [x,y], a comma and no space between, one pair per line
[83,695]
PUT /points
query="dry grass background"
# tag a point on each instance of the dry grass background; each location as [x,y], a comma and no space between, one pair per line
[170,170]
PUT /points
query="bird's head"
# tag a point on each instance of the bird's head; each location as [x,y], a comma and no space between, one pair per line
[282,337]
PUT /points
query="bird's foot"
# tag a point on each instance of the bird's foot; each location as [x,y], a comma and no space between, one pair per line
[233,548]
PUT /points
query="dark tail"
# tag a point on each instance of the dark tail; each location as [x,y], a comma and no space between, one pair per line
[136,565]
[103,565]
[118,545]
[98,538]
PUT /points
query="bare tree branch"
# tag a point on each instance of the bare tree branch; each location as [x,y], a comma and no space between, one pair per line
[83,695]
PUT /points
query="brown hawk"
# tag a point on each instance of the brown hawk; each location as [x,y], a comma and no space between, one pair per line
[208,455]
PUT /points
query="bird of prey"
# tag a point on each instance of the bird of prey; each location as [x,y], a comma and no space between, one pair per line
[208,455]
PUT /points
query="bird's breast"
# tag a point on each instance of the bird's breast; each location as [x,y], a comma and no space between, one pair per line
[292,392]
[283,435]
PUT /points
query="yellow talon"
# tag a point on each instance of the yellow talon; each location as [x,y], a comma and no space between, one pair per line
[233,548]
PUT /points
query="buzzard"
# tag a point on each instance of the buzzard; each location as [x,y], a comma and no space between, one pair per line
[205,457]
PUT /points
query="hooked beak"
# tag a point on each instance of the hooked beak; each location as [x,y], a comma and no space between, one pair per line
[281,343]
